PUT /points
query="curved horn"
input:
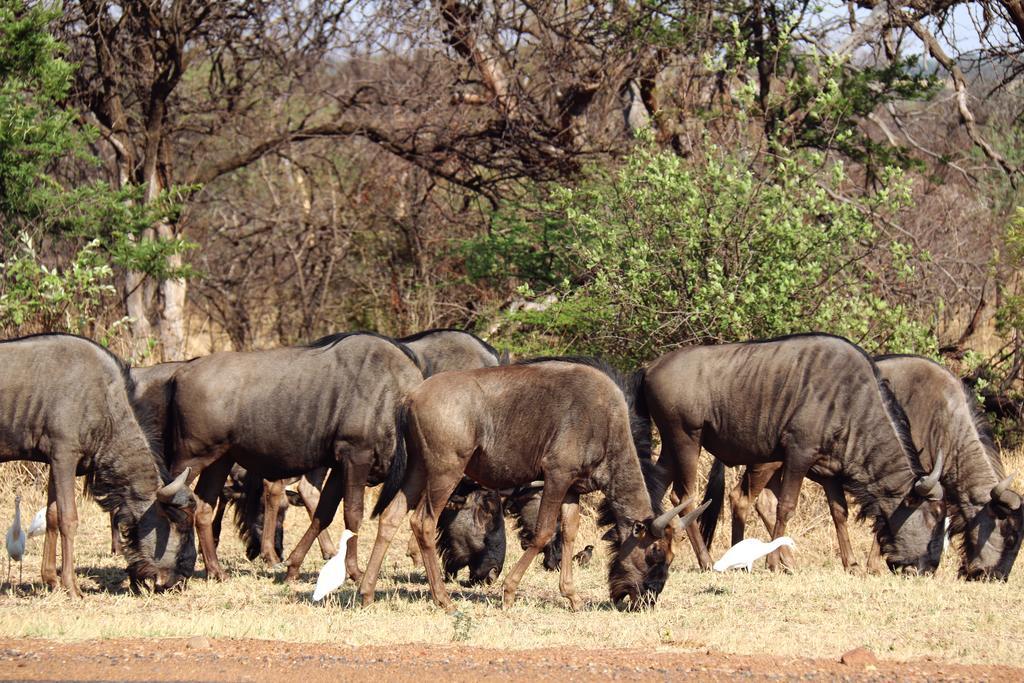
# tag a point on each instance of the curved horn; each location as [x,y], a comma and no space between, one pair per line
[1001,492]
[166,494]
[688,519]
[535,484]
[661,522]
[928,486]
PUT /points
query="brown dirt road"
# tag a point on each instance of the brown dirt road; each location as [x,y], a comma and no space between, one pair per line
[260,660]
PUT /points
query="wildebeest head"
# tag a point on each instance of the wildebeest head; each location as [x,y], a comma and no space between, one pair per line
[993,537]
[471,533]
[917,522]
[641,549]
[158,534]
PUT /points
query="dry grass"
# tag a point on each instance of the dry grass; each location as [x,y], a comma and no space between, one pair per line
[818,611]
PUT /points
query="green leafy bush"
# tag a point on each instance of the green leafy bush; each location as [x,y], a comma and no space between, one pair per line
[48,298]
[669,251]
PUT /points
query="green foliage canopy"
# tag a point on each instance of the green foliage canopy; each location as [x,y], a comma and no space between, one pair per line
[99,226]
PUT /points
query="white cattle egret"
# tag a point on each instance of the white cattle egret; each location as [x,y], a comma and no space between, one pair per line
[333,574]
[38,525]
[747,551]
[15,541]
[945,536]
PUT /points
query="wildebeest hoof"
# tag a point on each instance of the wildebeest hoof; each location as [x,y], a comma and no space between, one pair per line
[278,567]
[292,573]
[367,599]
[507,600]
[575,603]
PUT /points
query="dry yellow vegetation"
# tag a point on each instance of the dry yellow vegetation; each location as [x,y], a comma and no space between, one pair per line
[818,611]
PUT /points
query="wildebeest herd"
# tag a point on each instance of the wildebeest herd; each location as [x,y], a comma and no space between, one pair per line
[461,436]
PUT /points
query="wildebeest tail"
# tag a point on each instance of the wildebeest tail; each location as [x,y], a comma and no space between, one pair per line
[715,492]
[396,473]
[639,415]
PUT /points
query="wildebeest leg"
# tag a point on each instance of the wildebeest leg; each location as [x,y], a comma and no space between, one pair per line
[840,514]
[754,480]
[570,525]
[424,527]
[792,479]
[387,525]
[208,490]
[766,504]
[680,453]
[218,519]
[322,519]
[875,563]
[547,519]
[63,472]
[413,551]
[115,536]
[49,568]
[273,492]
[357,471]
[310,495]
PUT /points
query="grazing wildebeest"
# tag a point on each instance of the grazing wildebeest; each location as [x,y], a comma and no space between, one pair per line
[151,395]
[66,401]
[946,422]
[561,420]
[435,350]
[523,505]
[471,533]
[284,412]
[814,402]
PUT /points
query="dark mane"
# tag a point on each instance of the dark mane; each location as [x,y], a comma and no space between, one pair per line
[868,503]
[631,386]
[332,339]
[656,479]
[900,420]
[798,335]
[437,330]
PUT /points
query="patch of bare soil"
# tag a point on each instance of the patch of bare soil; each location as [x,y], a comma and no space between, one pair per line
[263,660]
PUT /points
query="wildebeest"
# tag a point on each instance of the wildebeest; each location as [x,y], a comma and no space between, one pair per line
[434,351]
[284,412]
[814,402]
[561,420]
[943,420]
[151,394]
[471,533]
[65,400]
